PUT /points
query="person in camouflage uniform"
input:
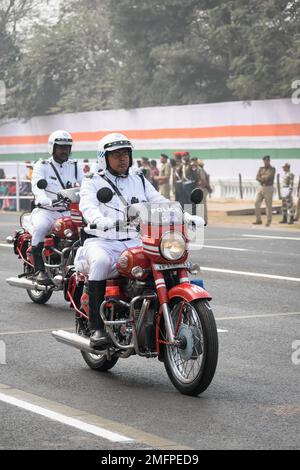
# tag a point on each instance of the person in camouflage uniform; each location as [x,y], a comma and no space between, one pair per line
[265,177]
[204,184]
[287,184]
[297,208]
[164,176]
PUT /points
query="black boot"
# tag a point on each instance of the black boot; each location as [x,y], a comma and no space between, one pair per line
[39,267]
[99,338]
[284,220]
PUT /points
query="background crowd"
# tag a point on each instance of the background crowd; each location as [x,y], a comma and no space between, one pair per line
[175,177]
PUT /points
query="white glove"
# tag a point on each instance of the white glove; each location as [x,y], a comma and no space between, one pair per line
[198,221]
[104,223]
[44,201]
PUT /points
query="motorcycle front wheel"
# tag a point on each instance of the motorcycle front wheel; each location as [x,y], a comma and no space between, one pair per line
[38,296]
[191,367]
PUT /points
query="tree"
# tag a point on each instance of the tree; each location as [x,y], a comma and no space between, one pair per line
[127,53]
[12,12]
[69,65]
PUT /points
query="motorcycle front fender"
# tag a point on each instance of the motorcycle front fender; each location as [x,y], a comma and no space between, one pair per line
[188,292]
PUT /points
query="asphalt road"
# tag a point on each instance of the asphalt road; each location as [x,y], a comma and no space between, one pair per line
[252,403]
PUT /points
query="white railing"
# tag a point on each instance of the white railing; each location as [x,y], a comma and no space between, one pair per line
[230,189]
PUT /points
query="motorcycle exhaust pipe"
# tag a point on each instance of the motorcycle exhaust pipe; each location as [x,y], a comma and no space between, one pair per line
[75,341]
[25,284]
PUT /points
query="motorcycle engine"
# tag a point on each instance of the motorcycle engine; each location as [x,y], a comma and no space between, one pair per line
[133,288]
[123,333]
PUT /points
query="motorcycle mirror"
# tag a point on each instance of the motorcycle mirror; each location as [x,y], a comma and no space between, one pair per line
[196,195]
[42,184]
[104,195]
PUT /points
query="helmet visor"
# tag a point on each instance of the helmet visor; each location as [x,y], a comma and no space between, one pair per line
[63,141]
[110,146]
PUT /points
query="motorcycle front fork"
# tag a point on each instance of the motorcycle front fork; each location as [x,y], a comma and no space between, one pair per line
[169,325]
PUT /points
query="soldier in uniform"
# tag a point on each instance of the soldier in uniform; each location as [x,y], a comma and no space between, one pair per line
[186,166]
[146,169]
[178,178]
[204,185]
[297,215]
[164,176]
[265,177]
[287,184]
[60,172]
[189,177]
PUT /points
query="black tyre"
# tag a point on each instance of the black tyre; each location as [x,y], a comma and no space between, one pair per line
[100,363]
[38,296]
[192,366]
[95,361]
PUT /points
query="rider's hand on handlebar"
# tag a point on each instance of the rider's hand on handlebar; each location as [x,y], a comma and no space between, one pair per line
[104,224]
[194,220]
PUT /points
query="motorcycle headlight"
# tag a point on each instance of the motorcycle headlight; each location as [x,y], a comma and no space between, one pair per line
[172,245]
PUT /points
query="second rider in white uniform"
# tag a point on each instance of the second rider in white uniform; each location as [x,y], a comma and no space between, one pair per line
[60,172]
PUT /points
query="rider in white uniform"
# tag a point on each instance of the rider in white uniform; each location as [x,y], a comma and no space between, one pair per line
[60,172]
[99,254]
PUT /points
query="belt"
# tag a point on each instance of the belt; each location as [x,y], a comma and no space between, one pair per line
[59,211]
[88,235]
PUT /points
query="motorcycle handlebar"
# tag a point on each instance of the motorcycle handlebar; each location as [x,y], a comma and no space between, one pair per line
[118,225]
[55,202]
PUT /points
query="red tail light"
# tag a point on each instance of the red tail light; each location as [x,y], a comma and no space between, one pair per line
[112,289]
[49,242]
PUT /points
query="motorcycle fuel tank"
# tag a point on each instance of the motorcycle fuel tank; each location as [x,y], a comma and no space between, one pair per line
[133,258]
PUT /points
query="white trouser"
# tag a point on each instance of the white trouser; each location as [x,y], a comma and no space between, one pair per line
[42,221]
[98,257]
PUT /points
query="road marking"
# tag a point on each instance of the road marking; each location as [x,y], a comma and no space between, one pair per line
[292,409]
[246,273]
[84,421]
[249,250]
[48,330]
[272,237]
[264,315]
[224,248]
[60,418]
[6,245]
[219,330]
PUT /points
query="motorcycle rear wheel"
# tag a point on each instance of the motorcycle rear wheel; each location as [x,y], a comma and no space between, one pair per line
[94,361]
[100,363]
[39,297]
[191,369]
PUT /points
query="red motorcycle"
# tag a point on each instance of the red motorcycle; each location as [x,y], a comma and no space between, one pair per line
[152,309]
[59,247]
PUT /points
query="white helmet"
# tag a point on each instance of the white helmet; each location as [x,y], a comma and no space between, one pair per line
[59,138]
[110,142]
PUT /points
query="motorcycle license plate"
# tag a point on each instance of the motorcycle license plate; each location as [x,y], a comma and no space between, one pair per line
[163,267]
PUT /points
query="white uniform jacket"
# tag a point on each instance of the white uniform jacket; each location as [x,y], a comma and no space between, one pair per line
[129,186]
[43,170]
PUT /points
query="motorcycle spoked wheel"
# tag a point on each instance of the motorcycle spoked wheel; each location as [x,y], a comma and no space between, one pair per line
[94,361]
[38,296]
[192,368]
